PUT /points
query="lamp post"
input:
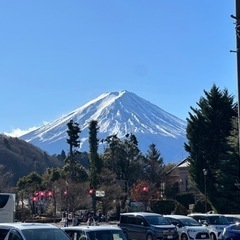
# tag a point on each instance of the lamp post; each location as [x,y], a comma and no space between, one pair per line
[67,201]
[205,188]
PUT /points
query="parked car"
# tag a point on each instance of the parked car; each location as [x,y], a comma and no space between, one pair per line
[36,231]
[232,218]
[102,232]
[231,232]
[188,228]
[214,222]
[147,226]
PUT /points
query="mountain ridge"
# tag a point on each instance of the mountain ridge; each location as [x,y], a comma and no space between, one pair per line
[117,113]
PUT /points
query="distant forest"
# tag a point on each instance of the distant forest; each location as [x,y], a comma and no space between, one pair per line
[18,158]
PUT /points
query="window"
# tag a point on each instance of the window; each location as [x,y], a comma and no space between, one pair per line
[14,235]
[3,233]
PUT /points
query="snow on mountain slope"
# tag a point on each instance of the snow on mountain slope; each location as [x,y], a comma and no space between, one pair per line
[117,113]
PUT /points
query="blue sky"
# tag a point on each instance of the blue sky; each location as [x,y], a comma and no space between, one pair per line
[57,55]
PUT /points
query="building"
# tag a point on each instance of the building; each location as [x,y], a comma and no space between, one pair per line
[178,176]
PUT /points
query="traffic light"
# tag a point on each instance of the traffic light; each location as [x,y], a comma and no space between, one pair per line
[91,191]
[145,189]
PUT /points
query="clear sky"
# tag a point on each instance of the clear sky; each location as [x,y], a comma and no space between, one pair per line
[56,55]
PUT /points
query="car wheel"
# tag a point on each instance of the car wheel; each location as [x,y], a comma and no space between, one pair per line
[184,237]
[149,237]
[212,236]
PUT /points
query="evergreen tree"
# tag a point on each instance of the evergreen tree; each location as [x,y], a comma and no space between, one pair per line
[73,141]
[124,159]
[95,164]
[208,129]
[153,166]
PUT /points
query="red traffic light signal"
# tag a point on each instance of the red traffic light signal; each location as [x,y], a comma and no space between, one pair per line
[91,191]
[145,189]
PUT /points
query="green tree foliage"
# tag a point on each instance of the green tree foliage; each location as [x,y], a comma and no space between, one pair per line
[199,206]
[31,182]
[51,175]
[19,158]
[95,164]
[168,207]
[208,129]
[73,141]
[123,157]
[185,199]
[153,167]
[95,161]
[28,185]
[5,177]
[75,171]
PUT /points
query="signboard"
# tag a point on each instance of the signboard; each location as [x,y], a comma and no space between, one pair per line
[100,193]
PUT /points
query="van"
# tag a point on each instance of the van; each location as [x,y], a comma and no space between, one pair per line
[147,226]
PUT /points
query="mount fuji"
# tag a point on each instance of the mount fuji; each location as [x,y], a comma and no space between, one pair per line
[117,113]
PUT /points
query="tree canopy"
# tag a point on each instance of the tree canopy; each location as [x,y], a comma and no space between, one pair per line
[208,130]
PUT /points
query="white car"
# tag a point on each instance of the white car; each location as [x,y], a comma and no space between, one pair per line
[102,232]
[213,221]
[30,231]
[188,228]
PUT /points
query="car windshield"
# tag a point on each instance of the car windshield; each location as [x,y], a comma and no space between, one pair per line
[232,219]
[157,220]
[45,234]
[235,227]
[218,220]
[189,222]
[106,235]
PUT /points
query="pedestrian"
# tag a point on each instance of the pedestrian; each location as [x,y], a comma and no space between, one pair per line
[74,221]
[65,222]
[91,221]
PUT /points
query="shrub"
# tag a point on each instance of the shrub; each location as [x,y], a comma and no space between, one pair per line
[168,207]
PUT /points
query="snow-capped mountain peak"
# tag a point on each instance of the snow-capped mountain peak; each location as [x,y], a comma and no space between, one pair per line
[117,113]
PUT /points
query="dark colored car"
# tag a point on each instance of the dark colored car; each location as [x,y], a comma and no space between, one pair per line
[231,232]
[147,226]
[232,218]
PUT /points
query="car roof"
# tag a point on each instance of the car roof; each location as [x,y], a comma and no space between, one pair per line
[23,226]
[141,214]
[178,216]
[205,214]
[92,228]
[232,215]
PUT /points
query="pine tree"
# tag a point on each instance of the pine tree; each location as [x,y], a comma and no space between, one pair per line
[73,141]
[94,164]
[208,129]
[153,166]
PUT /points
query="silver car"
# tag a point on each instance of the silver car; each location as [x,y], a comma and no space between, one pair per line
[31,231]
[102,232]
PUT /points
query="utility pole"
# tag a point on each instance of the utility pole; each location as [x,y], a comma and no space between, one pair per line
[238,64]
[205,189]
[237,18]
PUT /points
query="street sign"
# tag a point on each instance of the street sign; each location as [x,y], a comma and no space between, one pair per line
[100,193]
